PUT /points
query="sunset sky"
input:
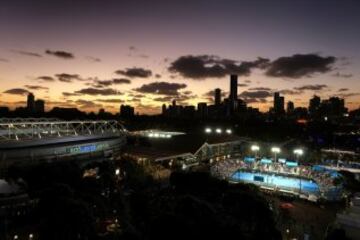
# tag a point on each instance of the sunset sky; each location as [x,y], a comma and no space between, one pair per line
[101,53]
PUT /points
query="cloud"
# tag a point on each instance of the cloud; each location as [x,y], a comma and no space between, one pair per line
[256,94]
[112,100]
[60,54]
[347,95]
[315,87]
[300,65]
[106,83]
[157,75]
[255,100]
[208,66]
[36,87]
[26,53]
[211,94]
[96,91]
[342,75]
[46,78]
[4,60]
[260,89]
[17,91]
[242,85]
[135,72]
[65,77]
[291,92]
[93,59]
[69,94]
[87,104]
[163,88]
[343,90]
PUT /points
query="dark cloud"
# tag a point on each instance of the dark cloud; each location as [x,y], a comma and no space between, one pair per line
[36,87]
[260,89]
[65,77]
[260,94]
[347,95]
[106,83]
[17,91]
[343,90]
[86,104]
[163,88]
[211,93]
[208,66]
[69,94]
[315,87]
[255,100]
[96,91]
[290,92]
[26,53]
[300,65]
[46,78]
[60,54]
[112,100]
[93,59]
[342,75]
[135,72]
[157,75]
[242,85]
[4,60]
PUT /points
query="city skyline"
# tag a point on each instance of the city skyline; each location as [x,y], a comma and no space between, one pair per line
[91,55]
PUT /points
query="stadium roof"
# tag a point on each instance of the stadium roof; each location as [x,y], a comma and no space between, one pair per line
[177,145]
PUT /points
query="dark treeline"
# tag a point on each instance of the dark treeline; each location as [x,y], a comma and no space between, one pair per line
[190,205]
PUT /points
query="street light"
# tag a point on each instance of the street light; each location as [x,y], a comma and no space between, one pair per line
[298,152]
[228,131]
[208,130]
[218,130]
[275,150]
[255,148]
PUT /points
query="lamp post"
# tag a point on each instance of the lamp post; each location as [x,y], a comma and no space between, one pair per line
[255,149]
[298,152]
[276,151]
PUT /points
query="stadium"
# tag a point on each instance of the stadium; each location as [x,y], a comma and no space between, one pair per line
[282,176]
[33,141]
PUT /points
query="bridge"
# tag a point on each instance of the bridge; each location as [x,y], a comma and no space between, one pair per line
[26,141]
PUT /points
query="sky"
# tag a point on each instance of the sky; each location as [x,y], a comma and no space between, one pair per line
[94,54]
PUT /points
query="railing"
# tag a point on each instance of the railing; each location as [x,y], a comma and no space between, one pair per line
[27,129]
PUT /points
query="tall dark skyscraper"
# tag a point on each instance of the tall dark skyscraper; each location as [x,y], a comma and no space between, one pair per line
[279,103]
[217,96]
[233,93]
[39,106]
[31,102]
[290,107]
[314,105]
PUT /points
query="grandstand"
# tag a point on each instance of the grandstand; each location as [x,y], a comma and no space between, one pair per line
[282,176]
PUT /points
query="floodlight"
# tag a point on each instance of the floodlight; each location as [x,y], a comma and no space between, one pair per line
[255,148]
[228,131]
[299,152]
[208,130]
[275,149]
[218,130]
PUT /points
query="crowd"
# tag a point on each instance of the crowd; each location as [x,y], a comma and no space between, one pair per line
[226,168]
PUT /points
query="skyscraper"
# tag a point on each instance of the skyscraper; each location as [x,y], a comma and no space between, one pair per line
[314,105]
[279,103]
[290,107]
[30,102]
[39,106]
[217,96]
[233,93]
